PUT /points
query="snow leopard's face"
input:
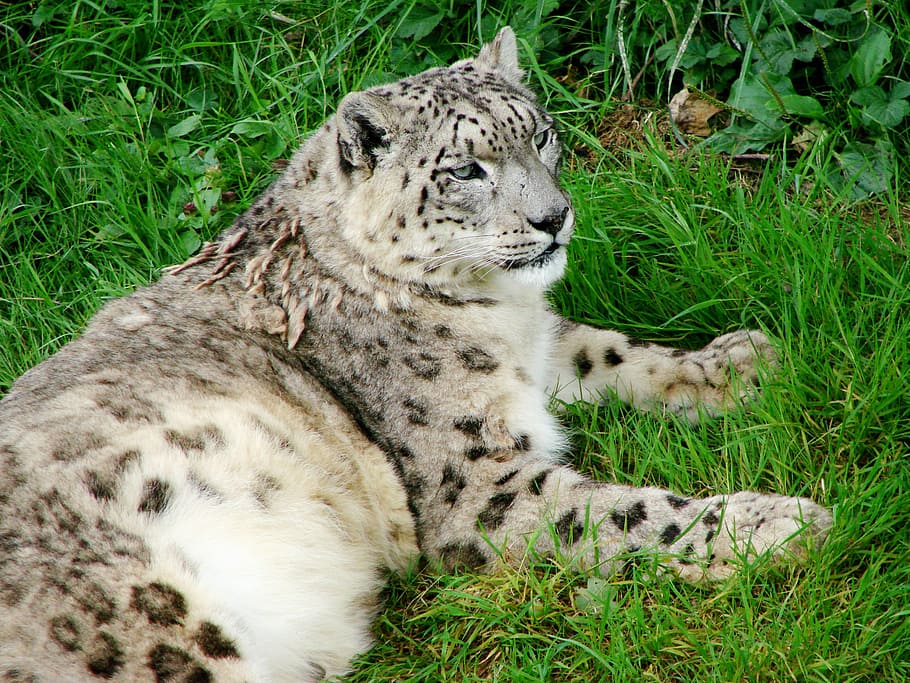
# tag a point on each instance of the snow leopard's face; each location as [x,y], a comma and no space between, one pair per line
[453,177]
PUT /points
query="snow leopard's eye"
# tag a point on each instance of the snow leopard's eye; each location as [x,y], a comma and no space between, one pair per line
[542,139]
[469,171]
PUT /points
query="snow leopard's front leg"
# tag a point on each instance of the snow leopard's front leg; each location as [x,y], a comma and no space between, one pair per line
[589,364]
[493,510]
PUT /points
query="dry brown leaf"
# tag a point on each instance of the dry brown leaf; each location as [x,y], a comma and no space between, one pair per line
[691,113]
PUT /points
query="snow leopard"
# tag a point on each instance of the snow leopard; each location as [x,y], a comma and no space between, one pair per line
[213,481]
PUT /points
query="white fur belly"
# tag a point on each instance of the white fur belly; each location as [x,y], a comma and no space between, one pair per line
[288,583]
[270,530]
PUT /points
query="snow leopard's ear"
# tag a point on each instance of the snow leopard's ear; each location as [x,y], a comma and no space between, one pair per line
[365,122]
[501,56]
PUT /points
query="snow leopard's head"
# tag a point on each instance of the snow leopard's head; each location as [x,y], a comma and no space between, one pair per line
[450,176]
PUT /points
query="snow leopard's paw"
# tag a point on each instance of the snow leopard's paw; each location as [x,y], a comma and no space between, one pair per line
[743,526]
[721,377]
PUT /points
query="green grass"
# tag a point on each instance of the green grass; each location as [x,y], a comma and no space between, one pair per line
[112,119]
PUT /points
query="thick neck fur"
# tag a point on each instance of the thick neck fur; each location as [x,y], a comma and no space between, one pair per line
[301,246]
[295,251]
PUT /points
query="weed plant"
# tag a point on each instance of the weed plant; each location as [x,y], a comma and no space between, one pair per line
[130,132]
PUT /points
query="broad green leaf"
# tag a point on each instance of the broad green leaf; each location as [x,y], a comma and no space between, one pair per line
[737,27]
[888,114]
[880,108]
[753,96]
[749,137]
[695,53]
[274,146]
[720,54]
[420,22]
[806,48]
[180,150]
[690,59]
[833,17]
[870,57]
[185,127]
[779,50]
[867,169]
[202,99]
[43,13]
[871,94]
[190,241]
[251,128]
[207,199]
[900,90]
[801,105]
[597,596]
[666,51]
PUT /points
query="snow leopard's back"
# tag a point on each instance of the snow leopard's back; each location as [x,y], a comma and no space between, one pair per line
[176,505]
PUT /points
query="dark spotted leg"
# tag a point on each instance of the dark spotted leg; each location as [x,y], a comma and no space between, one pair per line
[589,364]
[471,523]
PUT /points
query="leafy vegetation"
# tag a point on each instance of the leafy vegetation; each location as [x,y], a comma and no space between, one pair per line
[132,131]
[819,76]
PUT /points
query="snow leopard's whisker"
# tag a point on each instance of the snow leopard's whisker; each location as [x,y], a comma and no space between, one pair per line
[476,236]
[452,257]
[470,252]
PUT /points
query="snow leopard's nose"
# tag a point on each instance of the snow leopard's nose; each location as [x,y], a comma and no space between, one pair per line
[551,223]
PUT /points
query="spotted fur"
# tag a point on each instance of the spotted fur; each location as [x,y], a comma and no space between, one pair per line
[209,483]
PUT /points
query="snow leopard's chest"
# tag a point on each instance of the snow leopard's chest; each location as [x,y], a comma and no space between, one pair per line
[424,380]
